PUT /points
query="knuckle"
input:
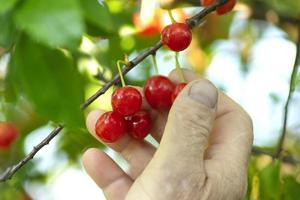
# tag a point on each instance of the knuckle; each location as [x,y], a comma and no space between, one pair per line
[196,122]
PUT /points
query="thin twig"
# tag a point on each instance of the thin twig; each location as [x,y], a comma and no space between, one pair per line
[101,77]
[10,171]
[125,70]
[192,22]
[257,12]
[290,95]
[196,19]
[286,159]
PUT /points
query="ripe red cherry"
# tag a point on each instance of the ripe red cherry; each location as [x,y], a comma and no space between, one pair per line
[126,101]
[177,36]
[177,90]
[139,125]
[158,91]
[110,127]
[223,9]
[8,134]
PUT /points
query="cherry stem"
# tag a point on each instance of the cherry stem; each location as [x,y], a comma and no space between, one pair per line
[126,59]
[179,71]
[171,16]
[119,63]
[155,63]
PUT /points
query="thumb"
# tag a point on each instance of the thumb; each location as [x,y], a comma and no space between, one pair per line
[177,168]
[189,123]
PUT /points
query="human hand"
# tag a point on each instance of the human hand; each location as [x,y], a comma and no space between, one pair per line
[205,143]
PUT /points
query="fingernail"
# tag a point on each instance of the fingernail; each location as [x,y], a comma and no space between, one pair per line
[205,93]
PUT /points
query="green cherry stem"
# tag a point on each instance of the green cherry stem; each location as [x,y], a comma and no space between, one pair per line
[179,71]
[119,63]
[155,63]
[171,16]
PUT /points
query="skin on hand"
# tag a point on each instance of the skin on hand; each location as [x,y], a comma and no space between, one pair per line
[205,144]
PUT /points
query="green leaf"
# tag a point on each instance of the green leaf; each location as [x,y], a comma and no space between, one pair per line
[270,181]
[7,33]
[98,17]
[291,189]
[52,22]
[50,81]
[6,5]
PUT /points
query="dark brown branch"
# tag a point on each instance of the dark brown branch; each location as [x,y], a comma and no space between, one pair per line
[196,19]
[291,20]
[286,159]
[176,3]
[192,22]
[259,10]
[290,95]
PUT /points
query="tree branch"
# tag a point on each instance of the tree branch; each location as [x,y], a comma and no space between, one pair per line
[10,171]
[290,95]
[259,10]
[175,3]
[192,22]
[286,159]
[125,70]
[101,77]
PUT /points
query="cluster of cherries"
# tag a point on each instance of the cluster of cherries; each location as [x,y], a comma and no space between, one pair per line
[127,116]
[159,91]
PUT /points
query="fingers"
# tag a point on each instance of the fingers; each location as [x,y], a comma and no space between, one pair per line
[189,123]
[137,153]
[232,135]
[230,142]
[232,129]
[106,174]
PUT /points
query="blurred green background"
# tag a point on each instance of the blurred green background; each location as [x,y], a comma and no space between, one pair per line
[54,54]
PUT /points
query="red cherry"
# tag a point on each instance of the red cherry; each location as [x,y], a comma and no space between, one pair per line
[110,127]
[177,90]
[177,36]
[223,9]
[126,101]
[139,125]
[8,134]
[158,91]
